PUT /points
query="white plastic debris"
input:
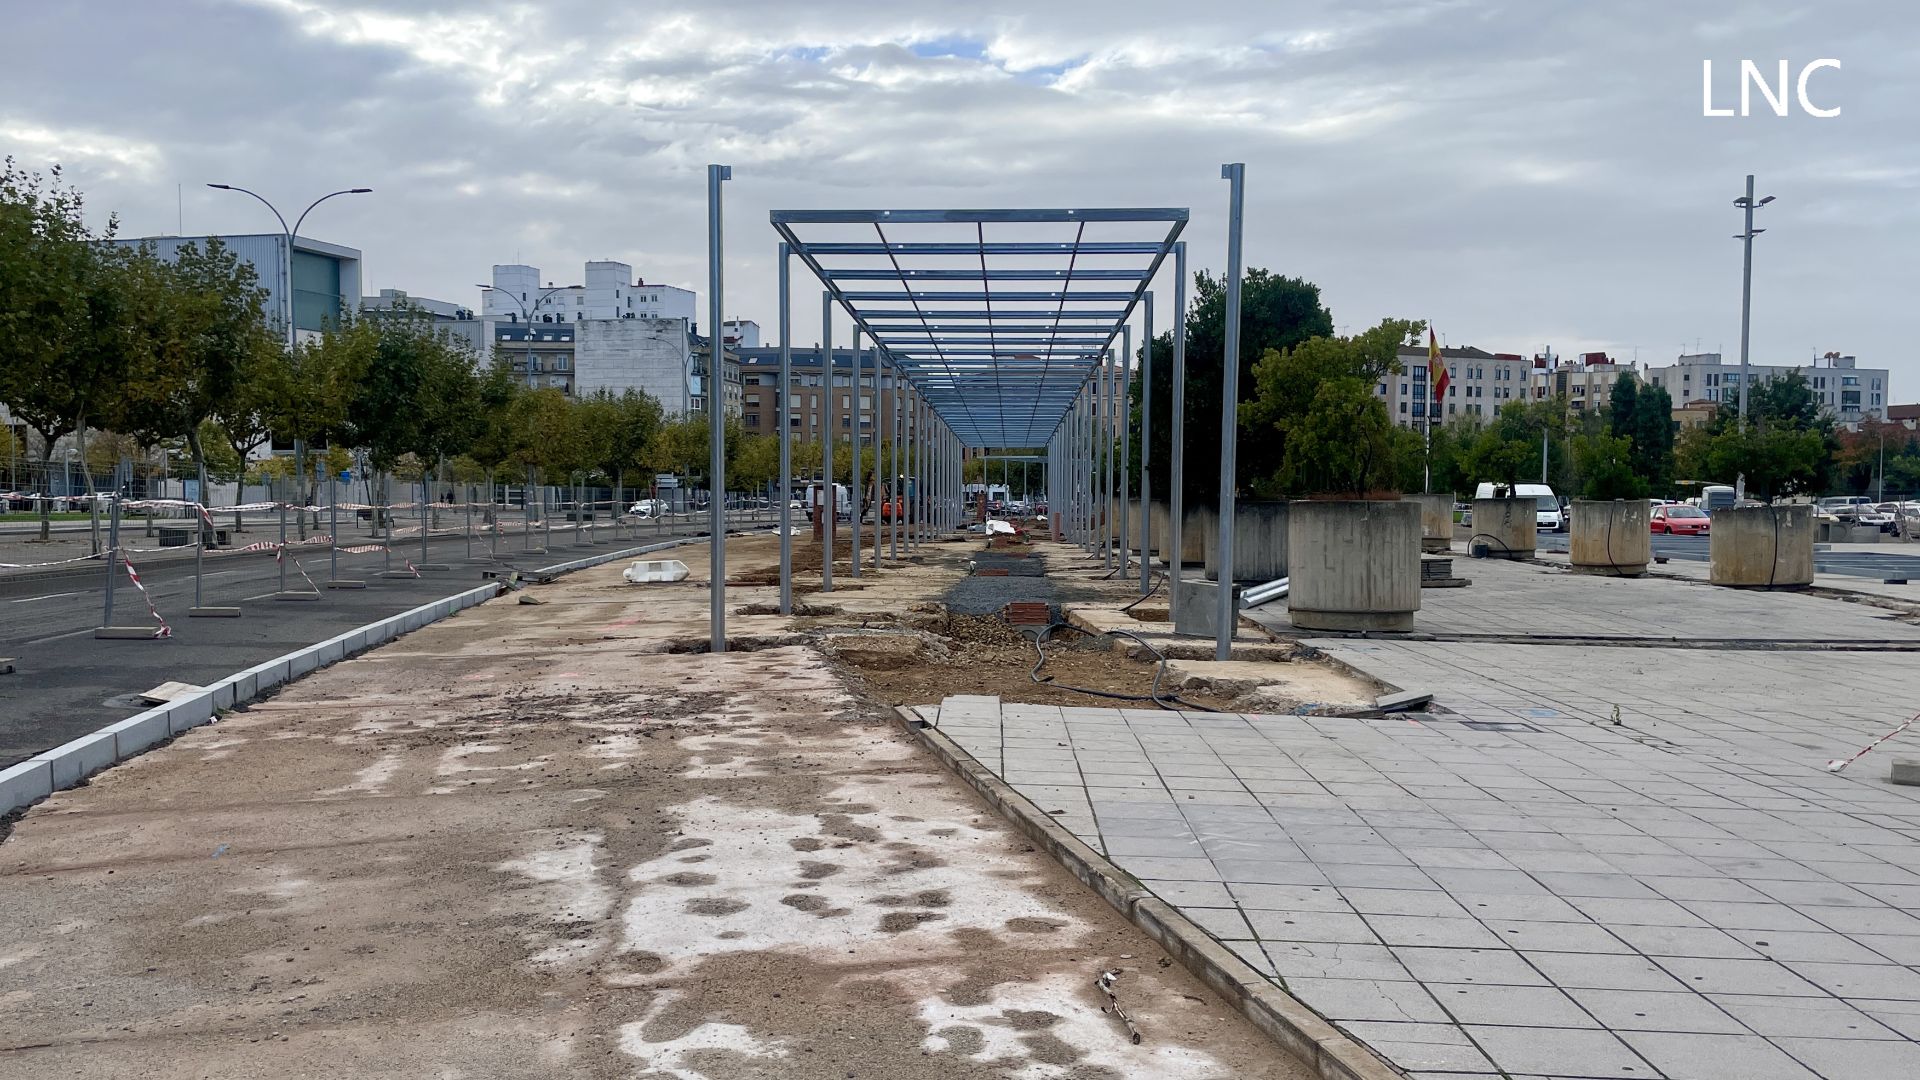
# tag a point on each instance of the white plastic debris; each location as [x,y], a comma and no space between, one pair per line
[652,571]
[995,525]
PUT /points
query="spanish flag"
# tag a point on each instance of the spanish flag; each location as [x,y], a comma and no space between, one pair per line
[1436,371]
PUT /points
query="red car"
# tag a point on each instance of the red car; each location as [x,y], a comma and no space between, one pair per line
[1679,519]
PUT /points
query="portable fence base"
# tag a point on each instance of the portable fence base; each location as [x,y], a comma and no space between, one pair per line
[124,633]
[433,566]
[291,595]
[213,613]
[398,574]
[6,665]
[346,584]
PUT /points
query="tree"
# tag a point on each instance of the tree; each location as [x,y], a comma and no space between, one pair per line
[1315,403]
[1653,437]
[63,312]
[1606,466]
[1509,446]
[1447,453]
[1623,407]
[1276,314]
[1787,446]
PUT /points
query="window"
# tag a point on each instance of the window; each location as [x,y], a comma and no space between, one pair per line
[1381,390]
[753,419]
[1419,408]
[1404,390]
[1850,380]
[1403,405]
[1419,371]
[1452,408]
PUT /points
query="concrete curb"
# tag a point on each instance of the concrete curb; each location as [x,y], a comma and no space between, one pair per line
[1306,1035]
[64,766]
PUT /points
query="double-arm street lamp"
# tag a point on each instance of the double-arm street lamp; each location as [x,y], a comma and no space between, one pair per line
[1748,205]
[527,312]
[299,451]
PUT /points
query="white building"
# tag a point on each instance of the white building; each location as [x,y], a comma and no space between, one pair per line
[1850,392]
[650,355]
[456,320]
[1478,383]
[611,292]
[1587,384]
[740,333]
[326,277]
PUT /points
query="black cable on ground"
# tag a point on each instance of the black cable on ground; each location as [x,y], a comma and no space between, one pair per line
[1503,544]
[1154,589]
[1154,695]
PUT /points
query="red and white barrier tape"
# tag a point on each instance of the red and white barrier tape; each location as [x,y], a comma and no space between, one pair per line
[163,631]
[282,555]
[1838,764]
[410,566]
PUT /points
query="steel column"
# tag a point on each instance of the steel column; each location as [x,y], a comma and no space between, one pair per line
[716,414]
[1176,493]
[1126,437]
[1227,613]
[785,399]
[853,440]
[827,510]
[1146,445]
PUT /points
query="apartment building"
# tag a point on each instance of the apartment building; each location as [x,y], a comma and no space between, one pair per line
[1478,383]
[1848,391]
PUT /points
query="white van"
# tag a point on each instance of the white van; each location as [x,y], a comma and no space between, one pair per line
[1547,516]
[842,501]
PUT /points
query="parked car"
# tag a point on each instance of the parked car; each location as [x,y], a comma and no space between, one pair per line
[648,508]
[1874,517]
[1679,519]
[1843,506]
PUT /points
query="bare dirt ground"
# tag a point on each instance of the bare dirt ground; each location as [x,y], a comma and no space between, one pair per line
[526,842]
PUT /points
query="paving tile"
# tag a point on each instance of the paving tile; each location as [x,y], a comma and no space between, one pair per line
[1556,937]
[1518,908]
[1615,885]
[1173,869]
[1428,930]
[1545,1051]
[1403,902]
[1901,1016]
[1703,888]
[1368,999]
[1515,1006]
[1858,920]
[1165,847]
[1817,894]
[1711,976]
[1861,980]
[1502,967]
[1824,947]
[1603,971]
[1640,1010]
[1440,1047]
[1733,916]
[1805,1017]
[1288,897]
[1225,923]
[1352,875]
[1497,882]
[1270,872]
[1182,893]
[1718,1057]
[1682,941]
[1850,1058]
[1329,926]
[1333,960]
[1635,912]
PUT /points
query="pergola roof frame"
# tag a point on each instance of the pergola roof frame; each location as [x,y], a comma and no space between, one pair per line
[1036,358]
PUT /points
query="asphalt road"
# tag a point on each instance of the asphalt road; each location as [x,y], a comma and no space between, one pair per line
[67,683]
[1872,564]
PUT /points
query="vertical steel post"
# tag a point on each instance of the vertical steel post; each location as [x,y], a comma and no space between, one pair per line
[423,518]
[466,530]
[1126,439]
[784,398]
[1227,613]
[202,533]
[827,511]
[333,542]
[1746,322]
[113,553]
[716,414]
[897,499]
[282,553]
[1176,487]
[1146,444]
[879,459]
[853,451]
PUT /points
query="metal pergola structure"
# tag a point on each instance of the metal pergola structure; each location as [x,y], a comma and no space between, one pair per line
[996,330]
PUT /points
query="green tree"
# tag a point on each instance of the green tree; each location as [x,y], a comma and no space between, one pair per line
[1277,313]
[1787,447]
[1314,403]
[1653,437]
[1508,447]
[1605,464]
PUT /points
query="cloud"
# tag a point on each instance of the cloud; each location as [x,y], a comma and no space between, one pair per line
[1523,174]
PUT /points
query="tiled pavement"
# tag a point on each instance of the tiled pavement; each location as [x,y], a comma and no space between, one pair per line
[1519,885]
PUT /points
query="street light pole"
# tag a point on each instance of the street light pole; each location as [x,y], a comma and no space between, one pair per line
[1747,206]
[299,450]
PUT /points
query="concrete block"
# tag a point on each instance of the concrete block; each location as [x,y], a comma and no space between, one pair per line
[1405,699]
[346,583]
[1436,521]
[213,613]
[1906,772]
[245,687]
[1199,610]
[73,762]
[221,694]
[1611,537]
[189,713]
[126,633]
[1763,546]
[1508,527]
[1356,564]
[1259,542]
[136,733]
[301,662]
[296,596]
[28,782]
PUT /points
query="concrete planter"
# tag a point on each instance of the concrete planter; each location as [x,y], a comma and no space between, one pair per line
[1201,522]
[1259,542]
[1764,547]
[1436,522]
[1865,534]
[1611,538]
[1355,565]
[1506,526]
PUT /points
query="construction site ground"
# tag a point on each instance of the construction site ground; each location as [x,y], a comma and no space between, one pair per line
[558,838]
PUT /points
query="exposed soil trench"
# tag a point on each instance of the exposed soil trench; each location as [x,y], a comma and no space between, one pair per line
[527,843]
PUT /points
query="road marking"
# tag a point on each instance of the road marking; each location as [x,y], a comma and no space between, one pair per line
[262,596]
[57,637]
[49,596]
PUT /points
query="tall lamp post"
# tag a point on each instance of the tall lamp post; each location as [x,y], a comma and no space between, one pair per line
[1747,206]
[527,312]
[299,451]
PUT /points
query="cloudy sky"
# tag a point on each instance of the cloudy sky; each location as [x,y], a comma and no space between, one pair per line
[1525,173]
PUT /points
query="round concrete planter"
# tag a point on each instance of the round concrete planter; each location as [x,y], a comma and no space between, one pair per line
[1611,538]
[1436,522]
[1763,547]
[1259,542]
[1507,526]
[1353,565]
